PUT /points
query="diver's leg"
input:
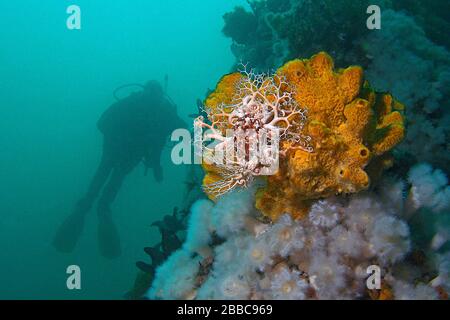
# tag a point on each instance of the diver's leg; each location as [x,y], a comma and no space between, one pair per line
[158,172]
[109,241]
[67,235]
[110,191]
[153,161]
[98,181]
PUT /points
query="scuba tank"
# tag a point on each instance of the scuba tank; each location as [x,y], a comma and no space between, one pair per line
[116,94]
[128,85]
[141,86]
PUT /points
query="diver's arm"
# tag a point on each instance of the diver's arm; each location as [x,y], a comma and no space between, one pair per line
[153,152]
[173,119]
[152,159]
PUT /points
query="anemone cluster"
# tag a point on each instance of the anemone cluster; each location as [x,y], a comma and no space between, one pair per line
[230,253]
[417,71]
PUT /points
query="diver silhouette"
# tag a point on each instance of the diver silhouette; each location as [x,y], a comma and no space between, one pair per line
[134,129]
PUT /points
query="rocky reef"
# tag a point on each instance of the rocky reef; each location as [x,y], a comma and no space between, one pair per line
[172,230]
[328,217]
[230,253]
[409,56]
[350,129]
[361,181]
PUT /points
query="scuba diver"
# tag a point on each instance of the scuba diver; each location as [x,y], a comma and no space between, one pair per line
[135,129]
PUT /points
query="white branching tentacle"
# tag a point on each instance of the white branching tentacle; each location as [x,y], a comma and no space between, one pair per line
[263,103]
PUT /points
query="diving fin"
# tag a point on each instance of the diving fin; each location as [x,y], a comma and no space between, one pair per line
[67,235]
[108,237]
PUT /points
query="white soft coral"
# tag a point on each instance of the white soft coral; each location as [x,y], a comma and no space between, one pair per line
[407,291]
[327,276]
[347,242]
[199,228]
[390,239]
[324,213]
[429,188]
[175,278]
[286,236]
[362,212]
[286,284]
[231,212]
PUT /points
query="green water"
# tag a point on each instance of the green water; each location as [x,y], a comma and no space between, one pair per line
[55,83]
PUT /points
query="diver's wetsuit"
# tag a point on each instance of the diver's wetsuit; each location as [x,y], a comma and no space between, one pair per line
[134,129]
[130,135]
[115,167]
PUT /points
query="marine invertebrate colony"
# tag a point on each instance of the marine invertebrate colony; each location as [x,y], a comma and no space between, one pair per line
[274,31]
[349,129]
[429,188]
[240,25]
[313,243]
[313,228]
[409,56]
[303,259]
[417,71]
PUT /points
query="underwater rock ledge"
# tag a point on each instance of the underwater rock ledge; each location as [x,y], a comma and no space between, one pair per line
[314,230]
[351,128]
[230,254]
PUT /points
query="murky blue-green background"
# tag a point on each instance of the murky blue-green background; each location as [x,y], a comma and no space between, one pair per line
[55,83]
